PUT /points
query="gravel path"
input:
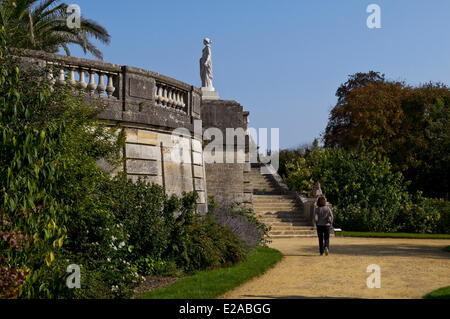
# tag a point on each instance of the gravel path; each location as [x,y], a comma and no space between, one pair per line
[410,268]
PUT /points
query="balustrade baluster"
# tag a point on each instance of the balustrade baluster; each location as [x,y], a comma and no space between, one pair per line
[176,98]
[61,78]
[92,86]
[101,84]
[170,96]
[72,80]
[82,83]
[110,87]
[51,78]
[165,99]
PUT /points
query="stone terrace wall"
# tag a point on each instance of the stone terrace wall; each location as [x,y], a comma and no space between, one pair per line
[149,106]
[228,182]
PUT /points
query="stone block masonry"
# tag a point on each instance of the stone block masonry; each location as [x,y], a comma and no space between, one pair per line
[149,106]
[227,181]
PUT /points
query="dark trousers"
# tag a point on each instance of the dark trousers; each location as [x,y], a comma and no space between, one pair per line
[324,235]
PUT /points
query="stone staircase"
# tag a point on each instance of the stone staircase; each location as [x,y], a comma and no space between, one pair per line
[278,208]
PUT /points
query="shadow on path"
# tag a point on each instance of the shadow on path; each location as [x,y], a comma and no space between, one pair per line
[293,297]
[397,250]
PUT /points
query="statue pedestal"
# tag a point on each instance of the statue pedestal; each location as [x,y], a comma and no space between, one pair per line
[208,94]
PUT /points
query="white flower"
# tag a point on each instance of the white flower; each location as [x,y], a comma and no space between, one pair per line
[115,288]
[122,244]
[113,238]
[129,249]
[109,259]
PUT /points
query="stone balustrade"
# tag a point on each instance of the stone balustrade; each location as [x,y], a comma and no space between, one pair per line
[96,82]
[130,94]
[169,96]
[148,106]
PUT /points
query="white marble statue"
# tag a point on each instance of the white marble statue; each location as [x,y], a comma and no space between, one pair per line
[206,72]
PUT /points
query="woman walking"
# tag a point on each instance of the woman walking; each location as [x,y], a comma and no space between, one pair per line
[323,217]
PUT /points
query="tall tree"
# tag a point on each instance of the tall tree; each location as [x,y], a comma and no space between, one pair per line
[409,125]
[42,25]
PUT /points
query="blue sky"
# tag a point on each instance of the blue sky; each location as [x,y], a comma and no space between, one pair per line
[282,60]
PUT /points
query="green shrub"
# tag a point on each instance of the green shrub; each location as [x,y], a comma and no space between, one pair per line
[242,221]
[31,216]
[146,213]
[201,243]
[155,267]
[53,212]
[419,215]
[443,208]
[365,192]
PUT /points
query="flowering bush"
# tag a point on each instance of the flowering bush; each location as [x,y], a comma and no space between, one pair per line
[243,223]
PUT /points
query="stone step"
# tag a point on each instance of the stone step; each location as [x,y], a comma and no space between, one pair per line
[256,185]
[270,189]
[261,181]
[271,198]
[288,224]
[280,210]
[292,236]
[280,214]
[290,227]
[281,217]
[261,199]
[287,218]
[267,192]
[292,232]
[275,204]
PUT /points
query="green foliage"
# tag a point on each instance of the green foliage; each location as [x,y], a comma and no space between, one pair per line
[146,213]
[29,174]
[52,209]
[214,283]
[58,207]
[394,235]
[42,25]
[442,293]
[421,215]
[409,125]
[155,267]
[241,220]
[366,193]
[201,243]
[168,229]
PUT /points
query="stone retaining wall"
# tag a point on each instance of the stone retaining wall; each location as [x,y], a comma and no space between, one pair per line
[149,106]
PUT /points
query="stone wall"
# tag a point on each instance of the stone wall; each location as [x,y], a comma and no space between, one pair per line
[228,182]
[176,163]
[148,106]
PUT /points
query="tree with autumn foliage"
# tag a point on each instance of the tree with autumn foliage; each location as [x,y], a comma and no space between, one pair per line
[409,125]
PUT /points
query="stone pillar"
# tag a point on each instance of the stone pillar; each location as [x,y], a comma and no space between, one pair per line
[228,181]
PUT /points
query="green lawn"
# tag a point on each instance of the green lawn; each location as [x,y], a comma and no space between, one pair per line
[443,293]
[213,283]
[394,235]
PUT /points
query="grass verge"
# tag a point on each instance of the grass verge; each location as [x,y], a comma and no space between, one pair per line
[394,235]
[214,283]
[442,293]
